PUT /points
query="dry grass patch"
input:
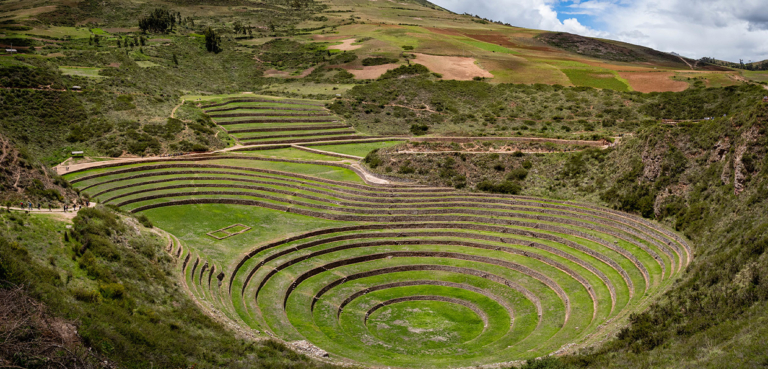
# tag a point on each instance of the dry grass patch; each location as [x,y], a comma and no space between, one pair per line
[372,72]
[346,45]
[453,67]
[653,81]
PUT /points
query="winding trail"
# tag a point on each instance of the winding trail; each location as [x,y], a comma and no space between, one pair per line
[173,112]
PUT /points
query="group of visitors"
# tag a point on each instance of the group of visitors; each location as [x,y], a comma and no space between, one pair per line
[74,207]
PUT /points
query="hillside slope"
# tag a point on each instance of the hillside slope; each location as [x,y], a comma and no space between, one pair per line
[286,98]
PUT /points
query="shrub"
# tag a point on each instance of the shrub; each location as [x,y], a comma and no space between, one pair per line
[419,129]
[506,187]
[405,70]
[112,291]
[372,159]
[81,294]
[378,61]
[343,58]
[517,174]
[144,220]
[527,164]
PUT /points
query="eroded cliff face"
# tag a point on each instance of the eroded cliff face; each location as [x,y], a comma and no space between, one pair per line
[742,170]
[22,179]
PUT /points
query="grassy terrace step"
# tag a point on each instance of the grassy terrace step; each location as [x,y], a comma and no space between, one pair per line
[305,139]
[361,203]
[263,107]
[287,120]
[266,101]
[267,114]
[292,133]
[289,128]
[627,248]
[394,275]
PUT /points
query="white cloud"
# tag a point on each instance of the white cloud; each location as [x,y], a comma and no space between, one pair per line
[538,14]
[724,29]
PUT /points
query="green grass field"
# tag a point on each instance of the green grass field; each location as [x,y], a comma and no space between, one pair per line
[81,71]
[596,79]
[357,149]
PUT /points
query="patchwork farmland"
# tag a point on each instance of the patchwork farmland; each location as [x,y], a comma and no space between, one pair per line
[391,273]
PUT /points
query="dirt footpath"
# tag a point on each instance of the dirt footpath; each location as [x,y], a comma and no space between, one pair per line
[453,67]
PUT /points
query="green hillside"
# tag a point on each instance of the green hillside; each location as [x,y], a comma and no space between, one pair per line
[355,183]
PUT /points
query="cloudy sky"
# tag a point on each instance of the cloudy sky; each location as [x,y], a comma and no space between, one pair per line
[724,29]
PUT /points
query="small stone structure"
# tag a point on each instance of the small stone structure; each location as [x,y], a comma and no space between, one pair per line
[228,234]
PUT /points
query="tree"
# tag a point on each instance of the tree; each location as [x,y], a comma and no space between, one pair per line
[97,39]
[175,60]
[212,41]
[159,21]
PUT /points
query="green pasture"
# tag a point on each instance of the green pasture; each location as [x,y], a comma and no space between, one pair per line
[146,64]
[356,149]
[291,153]
[81,72]
[760,76]
[60,32]
[596,79]
[190,223]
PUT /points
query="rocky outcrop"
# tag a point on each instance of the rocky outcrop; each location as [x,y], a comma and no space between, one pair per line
[720,150]
[740,172]
[306,348]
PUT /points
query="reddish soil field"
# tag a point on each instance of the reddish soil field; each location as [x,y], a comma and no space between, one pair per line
[328,37]
[453,67]
[653,81]
[493,39]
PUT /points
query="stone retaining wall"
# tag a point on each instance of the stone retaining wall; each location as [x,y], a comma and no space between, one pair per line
[281,129]
[530,296]
[551,284]
[295,135]
[287,121]
[535,256]
[435,214]
[393,219]
[234,115]
[247,142]
[662,246]
[241,100]
[259,108]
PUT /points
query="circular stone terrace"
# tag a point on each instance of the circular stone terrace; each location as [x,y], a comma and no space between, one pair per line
[397,274]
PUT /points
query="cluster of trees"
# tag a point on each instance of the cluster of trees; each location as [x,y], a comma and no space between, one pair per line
[131,41]
[212,41]
[160,21]
[240,28]
[762,65]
